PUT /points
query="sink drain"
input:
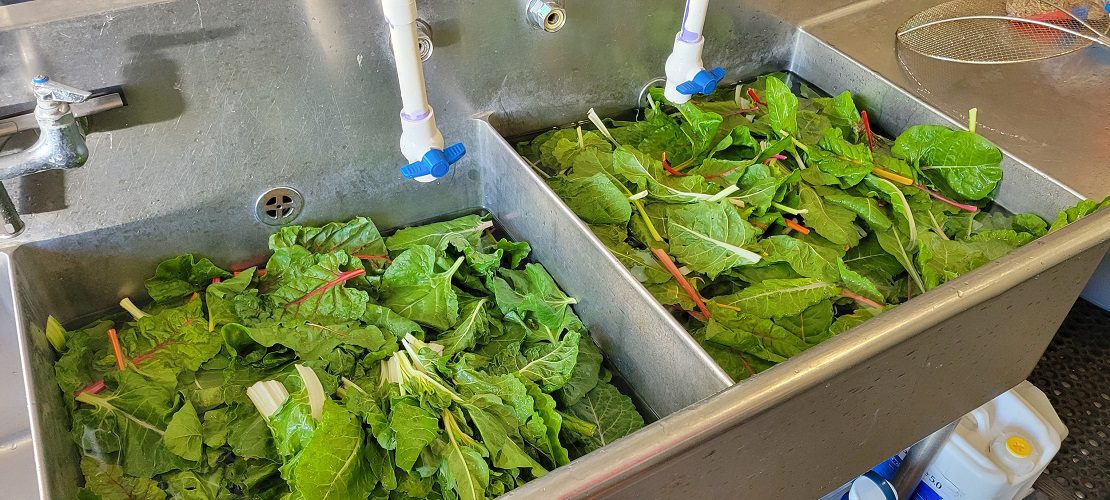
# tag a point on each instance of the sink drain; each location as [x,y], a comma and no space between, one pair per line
[279,206]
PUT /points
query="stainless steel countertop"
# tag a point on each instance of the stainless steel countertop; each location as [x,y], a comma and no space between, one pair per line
[1052,114]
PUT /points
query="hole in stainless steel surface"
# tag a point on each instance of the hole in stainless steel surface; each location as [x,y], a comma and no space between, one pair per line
[279,206]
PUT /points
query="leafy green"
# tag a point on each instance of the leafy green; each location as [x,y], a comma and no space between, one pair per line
[413,288]
[180,276]
[782,107]
[183,435]
[776,298]
[833,222]
[533,295]
[329,342]
[550,365]
[358,236]
[783,216]
[709,237]
[108,481]
[595,199]
[611,414]
[960,163]
[461,232]
[943,260]
[1080,210]
[415,428]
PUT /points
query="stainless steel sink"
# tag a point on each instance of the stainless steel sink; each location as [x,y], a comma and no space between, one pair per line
[871,390]
[77,277]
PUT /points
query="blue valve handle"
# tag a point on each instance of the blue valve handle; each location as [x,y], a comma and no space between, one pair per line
[704,83]
[435,162]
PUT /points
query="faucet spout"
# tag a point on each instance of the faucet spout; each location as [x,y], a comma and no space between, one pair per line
[61,144]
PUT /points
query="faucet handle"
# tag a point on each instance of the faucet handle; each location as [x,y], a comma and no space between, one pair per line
[51,91]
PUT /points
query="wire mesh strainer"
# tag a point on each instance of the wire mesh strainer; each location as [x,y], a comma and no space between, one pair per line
[987,32]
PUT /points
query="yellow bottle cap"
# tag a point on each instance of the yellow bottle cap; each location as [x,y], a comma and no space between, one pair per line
[1019,446]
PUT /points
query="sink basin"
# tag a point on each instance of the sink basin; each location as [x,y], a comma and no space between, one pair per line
[77,278]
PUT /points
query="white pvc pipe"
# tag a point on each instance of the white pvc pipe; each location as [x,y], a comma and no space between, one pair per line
[401,16]
[419,133]
[693,21]
[685,59]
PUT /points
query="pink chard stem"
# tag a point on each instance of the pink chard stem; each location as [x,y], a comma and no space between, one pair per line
[938,196]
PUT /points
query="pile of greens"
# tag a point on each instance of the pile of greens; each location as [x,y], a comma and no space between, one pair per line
[789,220]
[435,363]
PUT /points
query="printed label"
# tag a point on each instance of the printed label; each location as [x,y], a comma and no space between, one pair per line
[934,486]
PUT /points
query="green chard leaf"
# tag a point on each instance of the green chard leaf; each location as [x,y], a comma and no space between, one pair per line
[460,233]
[332,464]
[108,481]
[415,428]
[1080,210]
[183,433]
[357,237]
[180,276]
[753,335]
[943,260]
[472,327]
[413,288]
[534,295]
[584,376]
[611,413]
[779,298]
[835,223]
[595,199]
[551,365]
[137,412]
[782,107]
[962,164]
[708,237]
[311,285]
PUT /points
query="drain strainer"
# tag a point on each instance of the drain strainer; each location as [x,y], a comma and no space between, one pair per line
[279,206]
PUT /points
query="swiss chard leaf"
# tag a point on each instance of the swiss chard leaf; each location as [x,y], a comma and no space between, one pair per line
[108,481]
[943,260]
[1080,210]
[835,223]
[472,327]
[180,276]
[413,288]
[551,365]
[137,411]
[415,428]
[584,376]
[782,107]
[311,285]
[709,237]
[611,413]
[359,236]
[960,163]
[332,464]
[779,298]
[595,199]
[534,295]
[460,233]
[183,433]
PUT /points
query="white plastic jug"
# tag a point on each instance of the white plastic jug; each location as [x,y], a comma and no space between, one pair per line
[998,450]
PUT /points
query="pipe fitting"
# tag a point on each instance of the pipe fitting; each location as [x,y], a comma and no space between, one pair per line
[546,15]
[424,44]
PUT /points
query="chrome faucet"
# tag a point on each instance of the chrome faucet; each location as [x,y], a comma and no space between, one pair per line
[61,144]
